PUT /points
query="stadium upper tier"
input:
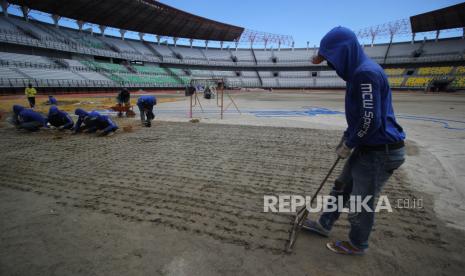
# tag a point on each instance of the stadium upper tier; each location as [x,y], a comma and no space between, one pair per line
[64,57]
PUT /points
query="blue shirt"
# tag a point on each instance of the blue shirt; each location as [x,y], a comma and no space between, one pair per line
[146,101]
[368,101]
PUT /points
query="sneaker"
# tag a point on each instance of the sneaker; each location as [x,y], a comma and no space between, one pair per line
[316,227]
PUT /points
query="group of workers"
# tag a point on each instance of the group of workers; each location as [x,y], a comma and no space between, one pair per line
[88,122]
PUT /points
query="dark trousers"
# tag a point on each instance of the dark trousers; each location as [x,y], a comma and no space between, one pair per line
[146,115]
[32,101]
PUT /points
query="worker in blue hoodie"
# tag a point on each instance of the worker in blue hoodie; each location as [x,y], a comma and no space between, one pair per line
[84,122]
[91,122]
[52,100]
[59,119]
[145,104]
[373,141]
[103,124]
[28,119]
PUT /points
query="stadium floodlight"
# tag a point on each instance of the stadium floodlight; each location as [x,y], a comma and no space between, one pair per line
[258,37]
[395,28]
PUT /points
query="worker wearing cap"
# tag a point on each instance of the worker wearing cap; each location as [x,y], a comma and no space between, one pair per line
[373,141]
[145,104]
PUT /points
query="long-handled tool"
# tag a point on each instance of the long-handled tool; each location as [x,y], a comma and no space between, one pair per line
[303,213]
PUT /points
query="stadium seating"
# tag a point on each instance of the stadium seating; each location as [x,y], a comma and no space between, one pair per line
[150,69]
[47,74]
[201,73]
[417,82]
[10,73]
[459,82]
[460,70]
[295,74]
[20,58]
[443,70]
[327,74]
[394,71]
[112,67]
[395,81]
[67,58]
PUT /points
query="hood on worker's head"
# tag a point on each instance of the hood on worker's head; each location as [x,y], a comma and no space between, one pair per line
[81,112]
[341,49]
[17,108]
[53,111]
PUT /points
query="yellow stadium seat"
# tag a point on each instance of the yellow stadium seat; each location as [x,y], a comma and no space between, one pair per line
[394,71]
[395,82]
[460,70]
[417,81]
[443,70]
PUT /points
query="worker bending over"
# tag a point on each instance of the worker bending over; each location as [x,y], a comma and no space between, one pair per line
[52,100]
[145,105]
[59,119]
[28,119]
[83,123]
[93,122]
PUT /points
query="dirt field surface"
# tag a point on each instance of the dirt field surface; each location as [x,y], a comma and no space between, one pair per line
[187,199]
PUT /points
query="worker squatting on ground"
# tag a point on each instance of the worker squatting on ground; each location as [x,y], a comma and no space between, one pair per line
[145,105]
[59,119]
[93,122]
[28,119]
[52,100]
[373,141]
[31,95]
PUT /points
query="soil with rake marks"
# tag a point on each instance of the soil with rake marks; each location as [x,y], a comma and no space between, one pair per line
[207,181]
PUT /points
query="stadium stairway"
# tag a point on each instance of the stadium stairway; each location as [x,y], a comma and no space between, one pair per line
[109,45]
[153,50]
[254,56]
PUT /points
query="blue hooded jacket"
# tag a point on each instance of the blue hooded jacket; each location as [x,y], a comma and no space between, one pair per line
[58,118]
[105,124]
[52,100]
[146,101]
[26,115]
[368,101]
[82,114]
[101,122]
[17,109]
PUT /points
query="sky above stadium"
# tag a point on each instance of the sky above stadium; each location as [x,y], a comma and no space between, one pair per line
[306,20]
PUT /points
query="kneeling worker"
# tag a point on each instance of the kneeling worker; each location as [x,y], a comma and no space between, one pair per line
[83,121]
[59,119]
[145,105]
[28,119]
[103,123]
[52,100]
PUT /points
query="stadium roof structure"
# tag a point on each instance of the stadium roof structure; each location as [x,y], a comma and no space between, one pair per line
[446,18]
[144,16]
